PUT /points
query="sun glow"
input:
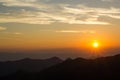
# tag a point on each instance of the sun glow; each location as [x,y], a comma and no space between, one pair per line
[95,44]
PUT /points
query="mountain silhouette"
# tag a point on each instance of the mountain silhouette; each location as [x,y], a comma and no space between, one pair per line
[27,64]
[104,68]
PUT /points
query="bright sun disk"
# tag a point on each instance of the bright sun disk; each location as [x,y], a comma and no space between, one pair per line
[95,44]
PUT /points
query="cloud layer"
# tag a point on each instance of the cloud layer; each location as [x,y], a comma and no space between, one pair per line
[2,28]
[75,31]
[51,11]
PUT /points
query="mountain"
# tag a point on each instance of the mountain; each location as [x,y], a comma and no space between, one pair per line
[27,64]
[105,68]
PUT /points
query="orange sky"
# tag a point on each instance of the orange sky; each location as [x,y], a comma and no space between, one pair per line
[47,24]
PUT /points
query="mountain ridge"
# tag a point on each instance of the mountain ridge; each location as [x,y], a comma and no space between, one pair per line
[27,64]
[104,68]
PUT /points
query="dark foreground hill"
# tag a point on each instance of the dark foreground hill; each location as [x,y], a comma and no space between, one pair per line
[27,64]
[107,68]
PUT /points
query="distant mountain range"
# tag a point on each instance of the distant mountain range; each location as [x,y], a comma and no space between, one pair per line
[27,64]
[104,68]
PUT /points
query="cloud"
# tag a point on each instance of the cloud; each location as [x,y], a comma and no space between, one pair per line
[107,0]
[70,31]
[44,13]
[11,36]
[13,33]
[24,3]
[17,33]
[75,31]
[91,15]
[2,28]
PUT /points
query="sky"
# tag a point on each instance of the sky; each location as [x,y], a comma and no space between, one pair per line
[44,24]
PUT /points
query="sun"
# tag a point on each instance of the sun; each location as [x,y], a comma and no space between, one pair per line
[95,44]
